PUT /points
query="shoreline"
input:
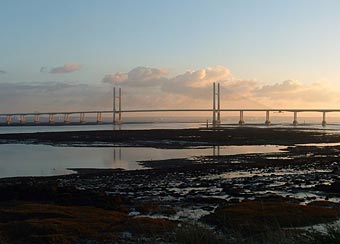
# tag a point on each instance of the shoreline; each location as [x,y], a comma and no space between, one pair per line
[177,138]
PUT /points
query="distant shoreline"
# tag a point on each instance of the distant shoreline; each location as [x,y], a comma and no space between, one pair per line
[177,138]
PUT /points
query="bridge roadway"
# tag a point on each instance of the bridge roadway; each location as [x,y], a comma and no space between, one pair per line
[119,112]
[172,110]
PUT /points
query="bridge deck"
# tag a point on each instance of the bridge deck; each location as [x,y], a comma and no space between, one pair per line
[172,110]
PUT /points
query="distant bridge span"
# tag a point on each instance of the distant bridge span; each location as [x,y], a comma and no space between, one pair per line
[292,110]
[216,111]
[99,114]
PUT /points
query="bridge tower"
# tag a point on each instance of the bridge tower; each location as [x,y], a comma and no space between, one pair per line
[216,111]
[119,97]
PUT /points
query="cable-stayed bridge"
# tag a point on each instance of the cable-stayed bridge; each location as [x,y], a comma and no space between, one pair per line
[117,112]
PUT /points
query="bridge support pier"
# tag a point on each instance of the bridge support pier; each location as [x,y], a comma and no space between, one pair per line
[22,119]
[99,118]
[267,122]
[241,122]
[36,119]
[295,121]
[324,123]
[82,118]
[119,120]
[51,119]
[67,118]
[8,119]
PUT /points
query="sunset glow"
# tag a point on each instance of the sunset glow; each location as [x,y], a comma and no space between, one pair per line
[265,54]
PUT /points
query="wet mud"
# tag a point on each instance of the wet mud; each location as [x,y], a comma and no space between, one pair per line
[302,180]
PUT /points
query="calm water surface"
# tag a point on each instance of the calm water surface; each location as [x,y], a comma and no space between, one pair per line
[136,126]
[44,160]
[143,126]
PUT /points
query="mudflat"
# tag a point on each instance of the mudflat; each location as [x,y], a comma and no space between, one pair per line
[179,138]
[250,197]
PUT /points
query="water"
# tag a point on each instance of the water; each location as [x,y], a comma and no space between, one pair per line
[46,160]
[130,126]
[164,125]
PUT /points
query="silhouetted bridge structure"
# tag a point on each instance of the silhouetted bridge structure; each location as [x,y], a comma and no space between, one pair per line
[118,112]
[82,114]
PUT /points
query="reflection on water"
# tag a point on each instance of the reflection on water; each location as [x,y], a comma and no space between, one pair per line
[119,154]
[132,126]
[216,151]
[331,144]
[330,128]
[39,160]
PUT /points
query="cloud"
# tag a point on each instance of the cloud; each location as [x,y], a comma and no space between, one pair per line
[153,88]
[194,88]
[295,94]
[2,72]
[194,84]
[51,96]
[289,87]
[66,68]
[199,83]
[140,76]
[202,77]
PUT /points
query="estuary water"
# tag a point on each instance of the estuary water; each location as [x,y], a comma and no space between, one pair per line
[46,160]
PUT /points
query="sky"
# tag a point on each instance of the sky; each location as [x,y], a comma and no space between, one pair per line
[66,55]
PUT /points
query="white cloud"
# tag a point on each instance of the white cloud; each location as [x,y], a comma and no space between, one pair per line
[292,91]
[199,83]
[140,76]
[287,87]
[66,68]
[193,88]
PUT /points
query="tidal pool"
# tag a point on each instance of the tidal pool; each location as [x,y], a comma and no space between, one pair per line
[46,160]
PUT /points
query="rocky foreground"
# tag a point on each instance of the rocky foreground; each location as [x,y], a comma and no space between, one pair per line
[252,198]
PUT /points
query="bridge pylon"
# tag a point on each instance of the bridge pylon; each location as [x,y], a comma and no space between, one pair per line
[216,121]
[115,111]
